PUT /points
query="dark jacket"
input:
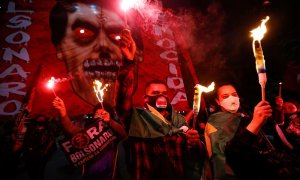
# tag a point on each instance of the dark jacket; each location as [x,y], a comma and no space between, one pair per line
[253,157]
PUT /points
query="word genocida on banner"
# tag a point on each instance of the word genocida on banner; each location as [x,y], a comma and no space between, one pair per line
[88,144]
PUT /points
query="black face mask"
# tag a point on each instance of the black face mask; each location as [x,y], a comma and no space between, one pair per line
[159,102]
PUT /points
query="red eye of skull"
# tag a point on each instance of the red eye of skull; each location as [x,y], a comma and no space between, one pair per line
[115,37]
[118,38]
[81,32]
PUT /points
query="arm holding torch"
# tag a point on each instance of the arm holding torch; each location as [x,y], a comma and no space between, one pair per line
[262,110]
[192,135]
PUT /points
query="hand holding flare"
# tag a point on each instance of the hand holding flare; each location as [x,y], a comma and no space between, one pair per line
[257,35]
[197,98]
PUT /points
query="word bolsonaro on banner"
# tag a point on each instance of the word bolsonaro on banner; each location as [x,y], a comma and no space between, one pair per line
[88,144]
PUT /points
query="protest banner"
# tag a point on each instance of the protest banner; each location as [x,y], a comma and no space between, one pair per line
[88,144]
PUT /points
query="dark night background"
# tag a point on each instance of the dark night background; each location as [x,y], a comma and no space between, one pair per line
[232,59]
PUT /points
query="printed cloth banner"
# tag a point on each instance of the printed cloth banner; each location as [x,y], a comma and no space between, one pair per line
[36,36]
[88,144]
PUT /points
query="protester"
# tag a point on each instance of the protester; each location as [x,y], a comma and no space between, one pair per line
[238,148]
[104,166]
[221,127]
[85,37]
[160,139]
[287,119]
[37,146]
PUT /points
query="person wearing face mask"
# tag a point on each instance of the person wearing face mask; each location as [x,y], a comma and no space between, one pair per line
[237,146]
[224,125]
[220,128]
[160,138]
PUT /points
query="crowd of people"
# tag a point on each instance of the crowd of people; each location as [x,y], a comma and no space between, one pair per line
[157,142]
[154,141]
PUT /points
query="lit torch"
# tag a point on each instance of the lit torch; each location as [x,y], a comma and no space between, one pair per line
[257,35]
[99,89]
[199,89]
[51,84]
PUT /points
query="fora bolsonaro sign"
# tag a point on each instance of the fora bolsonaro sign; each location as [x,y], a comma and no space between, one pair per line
[88,144]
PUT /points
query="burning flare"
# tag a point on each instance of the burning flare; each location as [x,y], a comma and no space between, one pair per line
[51,84]
[211,87]
[197,96]
[258,33]
[99,90]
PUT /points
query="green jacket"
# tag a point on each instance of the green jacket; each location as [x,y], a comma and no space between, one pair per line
[146,124]
[220,128]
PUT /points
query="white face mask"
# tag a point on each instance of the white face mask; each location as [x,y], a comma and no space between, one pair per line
[231,104]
